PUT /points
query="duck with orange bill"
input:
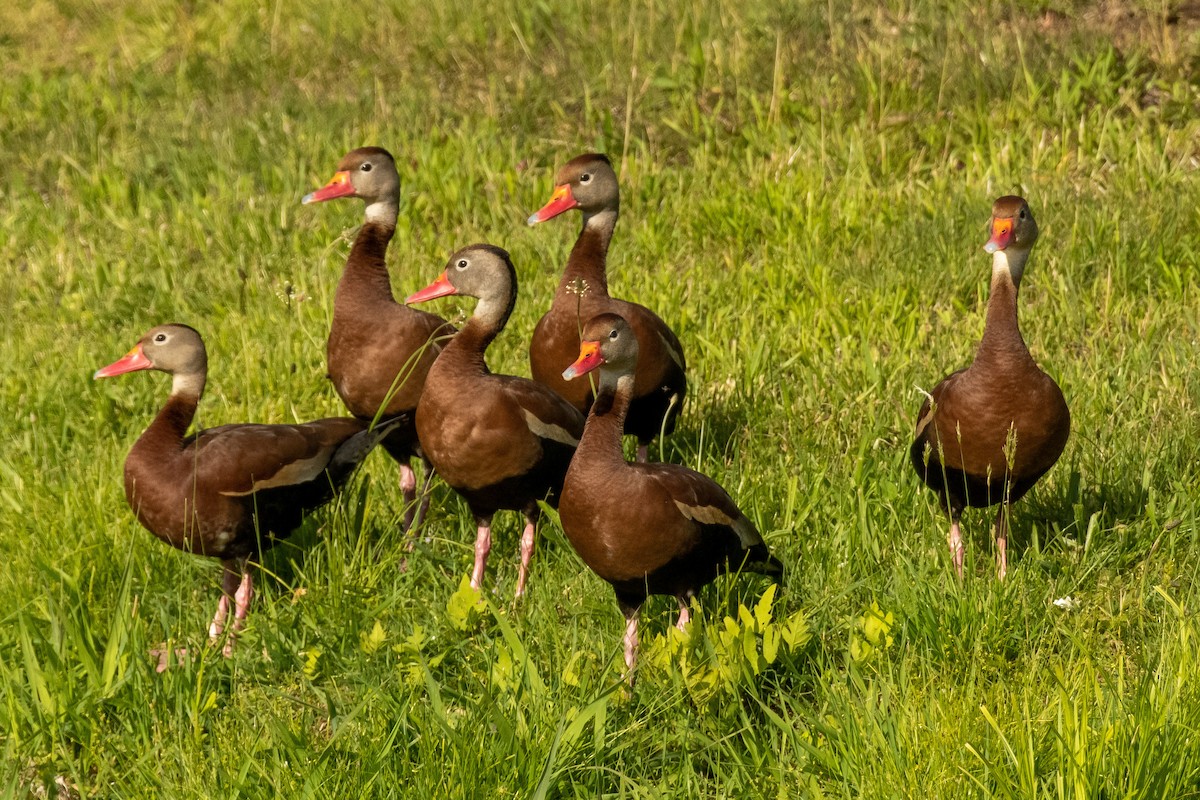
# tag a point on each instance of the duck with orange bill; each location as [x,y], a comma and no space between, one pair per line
[589,183]
[500,441]
[987,433]
[645,528]
[380,351]
[232,491]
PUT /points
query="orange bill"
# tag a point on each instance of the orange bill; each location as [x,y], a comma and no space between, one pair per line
[339,186]
[1002,228]
[439,288]
[589,359]
[132,361]
[562,200]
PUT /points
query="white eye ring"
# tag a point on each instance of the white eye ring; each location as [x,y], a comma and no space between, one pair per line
[613,334]
[162,337]
[366,167]
[585,177]
[462,264]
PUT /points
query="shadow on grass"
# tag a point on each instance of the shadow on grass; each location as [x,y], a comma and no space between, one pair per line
[717,424]
[1043,520]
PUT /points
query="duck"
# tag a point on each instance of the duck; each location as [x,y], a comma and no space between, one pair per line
[589,183]
[502,442]
[645,528]
[233,491]
[380,351]
[987,433]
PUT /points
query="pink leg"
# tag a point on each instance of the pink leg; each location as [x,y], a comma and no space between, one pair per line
[643,452]
[245,592]
[956,547]
[483,546]
[685,612]
[408,487]
[528,541]
[631,643]
[229,585]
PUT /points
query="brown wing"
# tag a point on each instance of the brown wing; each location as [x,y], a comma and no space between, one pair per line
[380,359]
[238,460]
[544,412]
[700,499]
[660,355]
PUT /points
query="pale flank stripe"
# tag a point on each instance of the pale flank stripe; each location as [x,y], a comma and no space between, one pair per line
[705,515]
[675,355]
[924,422]
[547,430]
[295,473]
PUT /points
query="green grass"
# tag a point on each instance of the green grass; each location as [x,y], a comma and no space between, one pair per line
[805,191]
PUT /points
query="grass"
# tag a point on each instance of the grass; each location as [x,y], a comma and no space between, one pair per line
[804,194]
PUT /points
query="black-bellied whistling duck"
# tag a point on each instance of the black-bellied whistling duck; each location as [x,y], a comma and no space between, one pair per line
[589,183]
[645,528]
[232,491]
[986,433]
[500,441]
[379,351]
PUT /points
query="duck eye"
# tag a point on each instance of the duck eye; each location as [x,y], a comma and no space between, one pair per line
[613,334]
[1022,213]
[585,177]
[462,263]
[366,167]
[162,337]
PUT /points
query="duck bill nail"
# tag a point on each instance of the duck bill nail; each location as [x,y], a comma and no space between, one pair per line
[339,186]
[1001,235]
[132,361]
[439,288]
[589,359]
[562,200]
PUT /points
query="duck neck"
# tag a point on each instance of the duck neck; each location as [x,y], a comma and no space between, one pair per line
[589,256]
[170,427]
[1002,340]
[469,346]
[601,442]
[366,273]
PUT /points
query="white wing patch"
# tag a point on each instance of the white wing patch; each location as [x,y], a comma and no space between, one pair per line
[923,423]
[548,431]
[705,515]
[675,355]
[290,475]
[710,515]
[747,534]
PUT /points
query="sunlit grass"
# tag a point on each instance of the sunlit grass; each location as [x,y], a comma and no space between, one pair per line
[804,194]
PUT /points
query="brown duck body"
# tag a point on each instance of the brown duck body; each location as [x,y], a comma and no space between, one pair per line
[650,528]
[379,351]
[660,385]
[1000,424]
[987,433]
[233,491]
[500,441]
[645,528]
